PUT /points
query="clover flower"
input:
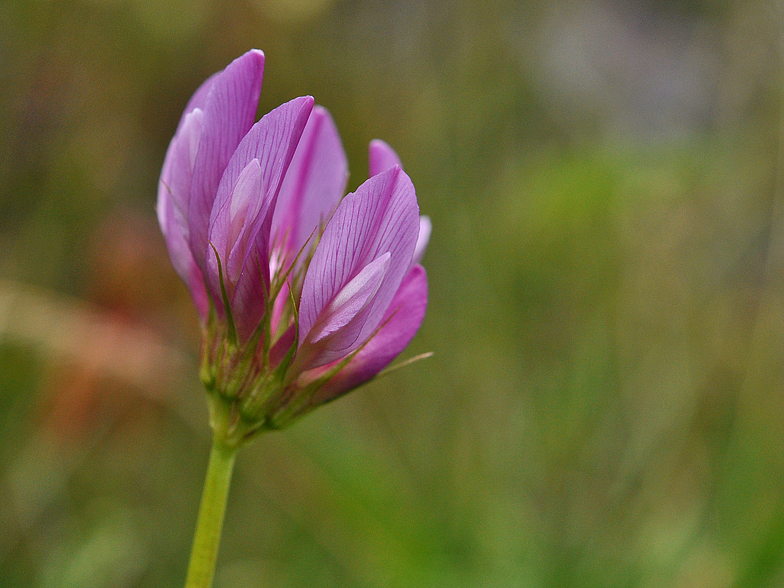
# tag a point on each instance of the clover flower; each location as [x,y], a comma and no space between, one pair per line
[303,294]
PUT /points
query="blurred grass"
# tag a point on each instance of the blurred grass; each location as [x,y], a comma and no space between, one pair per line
[604,406]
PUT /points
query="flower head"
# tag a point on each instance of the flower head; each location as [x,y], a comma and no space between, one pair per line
[302,295]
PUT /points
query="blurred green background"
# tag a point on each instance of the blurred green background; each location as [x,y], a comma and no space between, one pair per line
[605,406]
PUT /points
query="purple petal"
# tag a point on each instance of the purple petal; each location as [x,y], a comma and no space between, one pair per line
[400,323]
[247,203]
[176,175]
[229,111]
[199,98]
[314,183]
[173,195]
[175,181]
[351,300]
[425,228]
[180,254]
[380,217]
[381,157]
[240,222]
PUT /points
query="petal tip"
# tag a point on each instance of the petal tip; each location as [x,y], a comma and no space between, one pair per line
[381,157]
[255,57]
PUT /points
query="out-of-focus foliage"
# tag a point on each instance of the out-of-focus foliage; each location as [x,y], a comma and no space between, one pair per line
[605,406]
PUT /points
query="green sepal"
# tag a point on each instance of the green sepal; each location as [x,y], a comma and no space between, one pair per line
[268,392]
[405,363]
[225,297]
[206,369]
[302,398]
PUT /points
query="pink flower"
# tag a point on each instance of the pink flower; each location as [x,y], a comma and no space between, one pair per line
[403,314]
[302,296]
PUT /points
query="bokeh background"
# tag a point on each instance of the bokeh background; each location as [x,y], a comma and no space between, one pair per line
[605,406]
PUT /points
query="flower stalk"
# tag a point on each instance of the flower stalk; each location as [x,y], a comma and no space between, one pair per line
[209,525]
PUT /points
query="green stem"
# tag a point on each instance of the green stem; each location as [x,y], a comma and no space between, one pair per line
[201,568]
